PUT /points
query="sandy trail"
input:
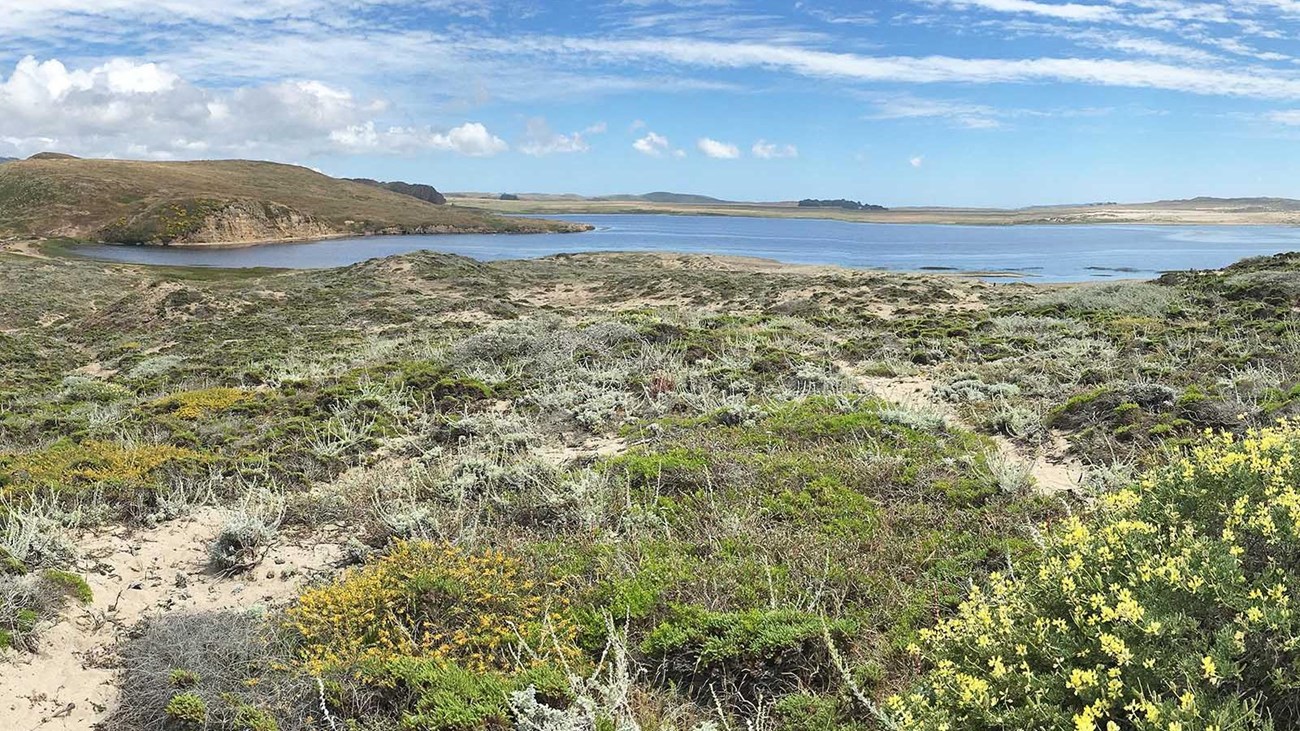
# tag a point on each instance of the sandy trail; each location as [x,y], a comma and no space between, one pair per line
[135,574]
[1052,468]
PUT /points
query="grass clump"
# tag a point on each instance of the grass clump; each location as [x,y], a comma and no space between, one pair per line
[1169,605]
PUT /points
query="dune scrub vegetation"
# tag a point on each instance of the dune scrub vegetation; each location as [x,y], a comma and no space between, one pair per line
[656,492]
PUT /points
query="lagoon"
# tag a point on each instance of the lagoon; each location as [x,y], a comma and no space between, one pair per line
[1060,253]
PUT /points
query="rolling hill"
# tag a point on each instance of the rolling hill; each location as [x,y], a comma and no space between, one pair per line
[218,202]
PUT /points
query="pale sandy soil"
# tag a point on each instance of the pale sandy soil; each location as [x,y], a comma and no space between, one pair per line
[136,574]
[1053,469]
[23,248]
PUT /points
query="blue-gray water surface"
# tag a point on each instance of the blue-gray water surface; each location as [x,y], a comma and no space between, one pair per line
[1039,253]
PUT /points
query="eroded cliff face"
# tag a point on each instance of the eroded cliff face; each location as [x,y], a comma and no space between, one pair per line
[252,221]
[205,221]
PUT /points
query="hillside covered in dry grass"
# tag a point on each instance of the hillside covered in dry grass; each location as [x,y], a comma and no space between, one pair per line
[217,202]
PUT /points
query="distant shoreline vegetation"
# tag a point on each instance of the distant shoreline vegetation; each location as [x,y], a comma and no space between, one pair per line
[847,205]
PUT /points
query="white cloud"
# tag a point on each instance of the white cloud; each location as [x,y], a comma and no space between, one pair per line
[1288,117]
[653,144]
[718,150]
[134,109]
[598,128]
[765,150]
[541,140]
[906,106]
[1058,11]
[471,139]
[917,161]
[1241,82]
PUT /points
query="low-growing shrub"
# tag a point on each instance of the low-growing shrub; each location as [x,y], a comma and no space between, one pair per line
[758,652]
[441,637]
[196,404]
[220,670]
[1168,606]
[422,600]
[28,602]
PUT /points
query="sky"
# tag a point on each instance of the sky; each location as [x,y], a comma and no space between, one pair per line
[896,102]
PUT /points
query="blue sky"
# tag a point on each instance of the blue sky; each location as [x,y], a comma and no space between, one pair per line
[904,102]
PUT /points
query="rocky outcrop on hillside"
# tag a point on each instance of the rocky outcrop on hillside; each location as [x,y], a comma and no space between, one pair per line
[426,193]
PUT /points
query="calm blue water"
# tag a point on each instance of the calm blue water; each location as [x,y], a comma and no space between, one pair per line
[1040,253]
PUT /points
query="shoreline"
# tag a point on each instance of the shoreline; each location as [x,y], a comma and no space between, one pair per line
[50,250]
[976,217]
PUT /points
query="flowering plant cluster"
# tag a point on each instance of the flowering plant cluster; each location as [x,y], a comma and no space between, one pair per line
[1168,607]
[436,602]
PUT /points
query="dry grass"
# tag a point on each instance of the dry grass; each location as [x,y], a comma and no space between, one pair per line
[79,198]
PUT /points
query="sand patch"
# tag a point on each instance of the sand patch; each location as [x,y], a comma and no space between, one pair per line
[1052,468]
[136,574]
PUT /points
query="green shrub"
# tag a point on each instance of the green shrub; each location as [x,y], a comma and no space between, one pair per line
[72,583]
[1168,606]
[250,718]
[760,651]
[446,696]
[183,679]
[187,709]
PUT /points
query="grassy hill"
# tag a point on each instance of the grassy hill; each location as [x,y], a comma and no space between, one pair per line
[222,201]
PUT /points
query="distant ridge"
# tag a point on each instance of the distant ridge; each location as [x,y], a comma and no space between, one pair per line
[218,202]
[664,197]
[1235,204]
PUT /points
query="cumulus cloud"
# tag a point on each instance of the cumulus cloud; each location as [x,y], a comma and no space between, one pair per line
[471,139]
[765,150]
[917,161]
[653,144]
[135,109]
[718,150]
[541,140]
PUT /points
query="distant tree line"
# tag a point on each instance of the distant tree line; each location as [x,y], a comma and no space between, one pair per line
[841,203]
[509,197]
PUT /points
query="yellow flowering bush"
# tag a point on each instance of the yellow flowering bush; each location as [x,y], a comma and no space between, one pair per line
[1166,607]
[196,404]
[434,602]
[68,464]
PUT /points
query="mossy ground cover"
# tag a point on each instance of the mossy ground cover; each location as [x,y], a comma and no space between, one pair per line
[663,484]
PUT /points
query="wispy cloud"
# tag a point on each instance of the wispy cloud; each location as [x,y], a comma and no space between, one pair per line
[1059,11]
[765,150]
